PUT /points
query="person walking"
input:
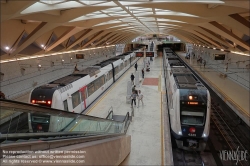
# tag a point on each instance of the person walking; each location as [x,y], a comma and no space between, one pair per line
[133,98]
[132,78]
[142,72]
[140,97]
[136,66]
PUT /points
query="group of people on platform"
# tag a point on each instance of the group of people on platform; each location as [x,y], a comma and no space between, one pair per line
[199,58]
[136,94]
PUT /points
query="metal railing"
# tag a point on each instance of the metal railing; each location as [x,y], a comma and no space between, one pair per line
[14,130]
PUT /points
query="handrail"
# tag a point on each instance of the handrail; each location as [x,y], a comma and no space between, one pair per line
[110,112]
[30,108]
[84,125]
[126,120]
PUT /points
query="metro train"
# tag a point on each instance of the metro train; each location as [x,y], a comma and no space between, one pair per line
[75,92]
[189,104]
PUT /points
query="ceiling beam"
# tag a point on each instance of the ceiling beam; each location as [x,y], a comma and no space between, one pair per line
[110,36]
[85,34]
[241,20]
[67,34]
[228,34]
[42,28]
[92,39]
[102,38]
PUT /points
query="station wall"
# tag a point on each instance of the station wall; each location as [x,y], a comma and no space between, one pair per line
[21,76]
[235,66]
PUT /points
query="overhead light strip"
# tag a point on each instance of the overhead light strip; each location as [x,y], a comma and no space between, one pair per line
[45,55]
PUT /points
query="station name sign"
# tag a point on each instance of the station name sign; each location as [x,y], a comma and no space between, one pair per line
[141,54]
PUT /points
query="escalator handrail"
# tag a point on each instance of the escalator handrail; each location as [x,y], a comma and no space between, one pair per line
[30,108]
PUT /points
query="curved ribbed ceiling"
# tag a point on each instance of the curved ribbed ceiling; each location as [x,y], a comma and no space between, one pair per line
[60,25]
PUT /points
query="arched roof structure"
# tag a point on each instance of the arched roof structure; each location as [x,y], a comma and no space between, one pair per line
[45,26]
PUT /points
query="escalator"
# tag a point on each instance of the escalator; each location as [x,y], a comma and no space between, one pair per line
[77,128]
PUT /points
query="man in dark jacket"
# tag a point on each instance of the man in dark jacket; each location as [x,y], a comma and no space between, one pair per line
[136,66]
[132,78]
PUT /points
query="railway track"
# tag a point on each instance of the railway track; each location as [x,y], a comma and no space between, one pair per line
[227,144]
[187,158]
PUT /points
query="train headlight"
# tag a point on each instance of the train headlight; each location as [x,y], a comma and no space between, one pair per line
[180,133]
[204,135]
[190,97]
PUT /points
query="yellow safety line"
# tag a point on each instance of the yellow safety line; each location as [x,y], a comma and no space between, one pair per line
[228,98]
[162,124]
[225,96]
[162,136]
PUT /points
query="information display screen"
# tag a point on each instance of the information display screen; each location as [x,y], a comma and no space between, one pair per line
[139,54]
[149,54]
[79,56]
[219,57]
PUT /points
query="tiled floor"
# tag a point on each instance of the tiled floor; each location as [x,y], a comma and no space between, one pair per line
[150,81]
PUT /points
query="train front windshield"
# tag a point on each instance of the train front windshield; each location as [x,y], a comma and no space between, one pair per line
[193,115]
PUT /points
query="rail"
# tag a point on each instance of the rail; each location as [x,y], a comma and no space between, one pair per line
[83,125]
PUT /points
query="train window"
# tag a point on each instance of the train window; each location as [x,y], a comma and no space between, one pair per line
[110,74]
[75,99]
[99,82]
[122,66]
[116,70]
[125,64]
[65,105]
[193,115]
[91,88]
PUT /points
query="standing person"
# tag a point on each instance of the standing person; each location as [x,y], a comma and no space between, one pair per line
[133,98]
[136,66]
[132,78]
[133,89]
[140,97]
[204,63]
[142,72]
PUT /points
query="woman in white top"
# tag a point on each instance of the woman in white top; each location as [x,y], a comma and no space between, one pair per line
[140,97]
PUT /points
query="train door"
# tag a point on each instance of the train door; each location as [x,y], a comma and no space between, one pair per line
[83,92]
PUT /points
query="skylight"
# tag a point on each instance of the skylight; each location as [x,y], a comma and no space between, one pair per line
[51,2]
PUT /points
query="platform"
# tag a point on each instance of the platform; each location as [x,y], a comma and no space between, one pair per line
[146,129]
[236,96]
